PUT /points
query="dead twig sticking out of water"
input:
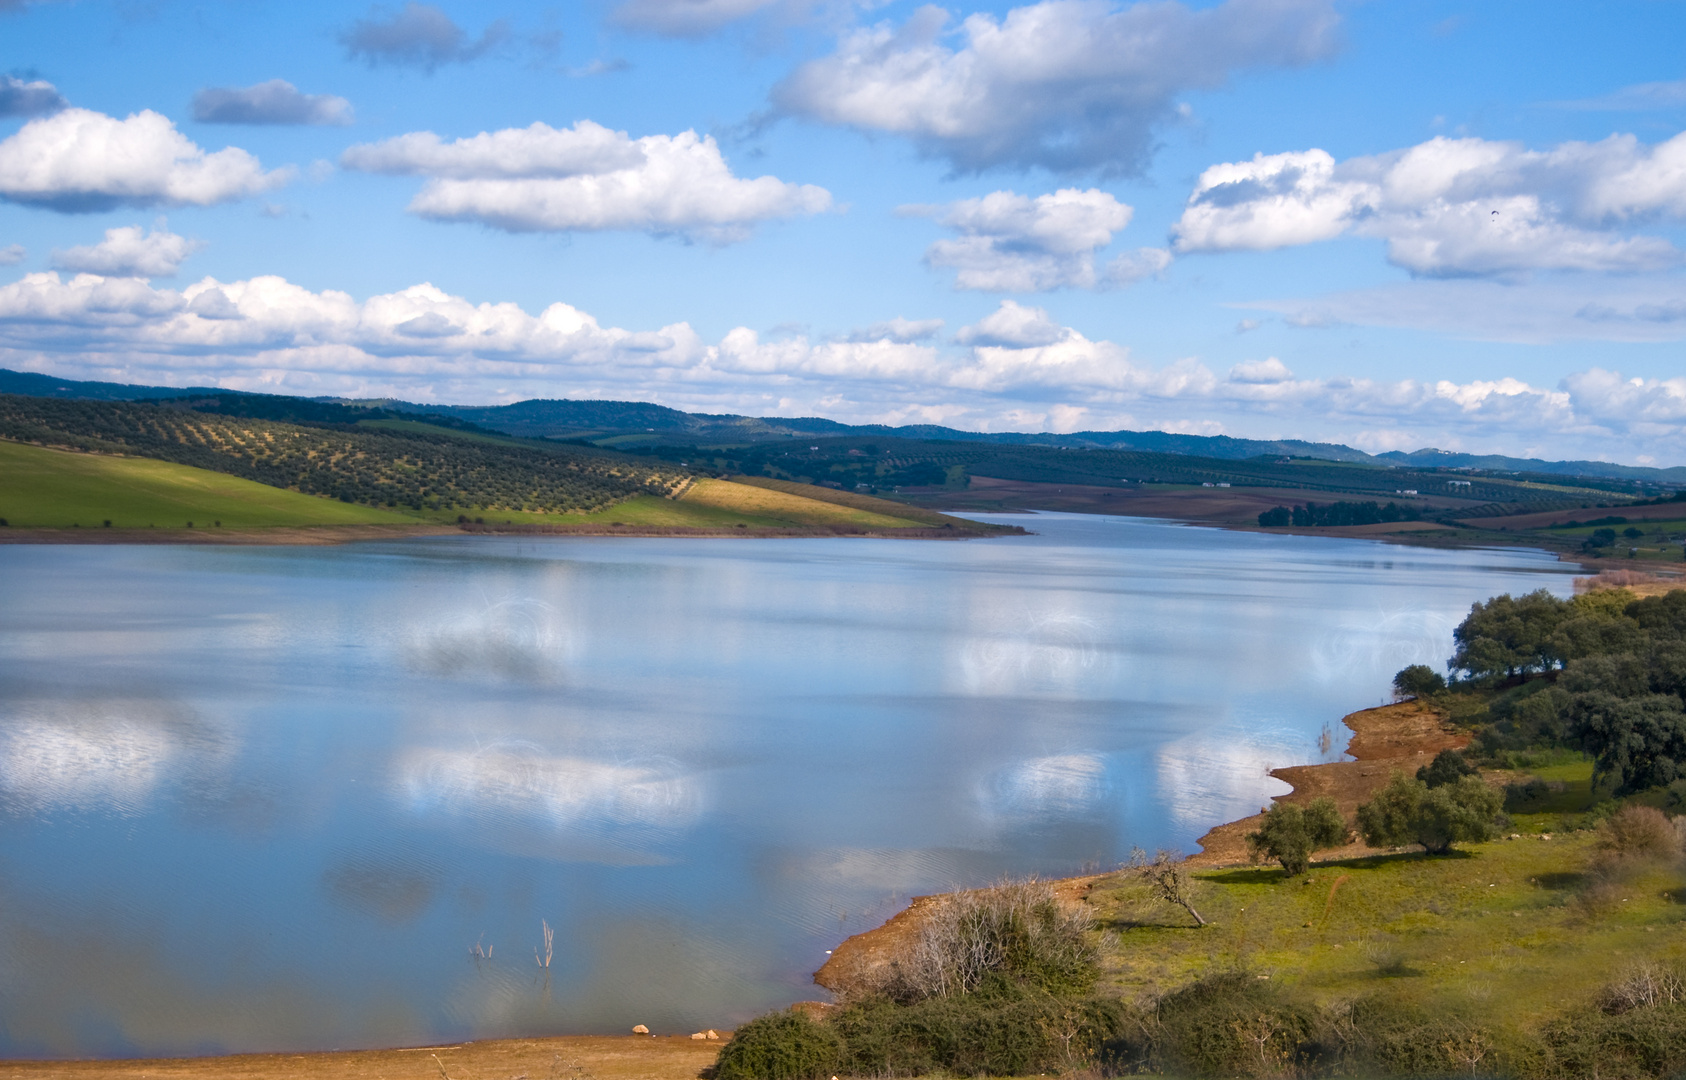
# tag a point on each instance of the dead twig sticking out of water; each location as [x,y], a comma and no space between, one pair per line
[479,953]
[549,937]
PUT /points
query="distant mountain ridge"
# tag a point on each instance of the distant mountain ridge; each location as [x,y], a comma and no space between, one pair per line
[565,418]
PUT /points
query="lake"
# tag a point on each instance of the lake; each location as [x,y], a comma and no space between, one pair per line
[269,798]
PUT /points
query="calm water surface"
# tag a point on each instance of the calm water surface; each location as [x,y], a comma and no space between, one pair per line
[289,798]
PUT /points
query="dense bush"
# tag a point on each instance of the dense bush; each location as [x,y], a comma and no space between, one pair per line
[1408,811]
[1290,833]
[1003,1030]
[781,1046]
[1232,1025]
[1448,767]
[1418,680]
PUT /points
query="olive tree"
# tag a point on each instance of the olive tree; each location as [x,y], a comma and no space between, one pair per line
[1289,833]
[1408,811]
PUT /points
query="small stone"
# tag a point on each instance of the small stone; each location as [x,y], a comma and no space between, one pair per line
[699,1034]
[640,1029]
[713,1034]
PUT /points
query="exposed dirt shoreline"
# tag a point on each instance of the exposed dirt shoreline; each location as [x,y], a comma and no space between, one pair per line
[1403,736]
[576,1057]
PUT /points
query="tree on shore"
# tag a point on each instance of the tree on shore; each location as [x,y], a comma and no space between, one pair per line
[1408,811]
[1166,876]
[1418,680]
[1290,833]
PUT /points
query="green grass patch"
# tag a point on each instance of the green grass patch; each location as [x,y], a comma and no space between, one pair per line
[1508,932]
[60,489]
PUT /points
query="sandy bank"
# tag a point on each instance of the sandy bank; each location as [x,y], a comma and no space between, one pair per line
[584,1057]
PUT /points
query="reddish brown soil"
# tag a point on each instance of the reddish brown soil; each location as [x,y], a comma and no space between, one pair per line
[1403,736]
[590,1057]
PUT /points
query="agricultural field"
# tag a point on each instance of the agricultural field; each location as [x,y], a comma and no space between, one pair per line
[435,470]
[45,488]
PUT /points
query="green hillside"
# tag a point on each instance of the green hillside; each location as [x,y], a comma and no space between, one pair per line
[59,489]
[420,469]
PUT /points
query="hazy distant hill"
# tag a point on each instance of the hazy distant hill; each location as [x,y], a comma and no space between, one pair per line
[1447,459]
[562,419]
[32,385]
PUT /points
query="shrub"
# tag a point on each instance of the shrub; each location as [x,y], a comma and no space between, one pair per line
[1018,932]
[1642,987]
[1447,767]
[1233,1025]
[1407,811]
[1638,832]
[1418,680]
[1005,1030]
[1531,794]
[1290,833]
[780,1046]
[1384,1037]
[1649,1041]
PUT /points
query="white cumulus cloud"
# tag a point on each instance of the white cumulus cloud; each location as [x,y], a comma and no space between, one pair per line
[1067,85]
[1268,370]
[12,254]
[536,152]
[77,160]
[274,102]
[130,252]
[1013,326]
[1017,368]
[1015,243]
[1453,207]
[587,178]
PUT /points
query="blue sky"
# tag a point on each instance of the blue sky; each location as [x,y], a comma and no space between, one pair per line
[1391,224]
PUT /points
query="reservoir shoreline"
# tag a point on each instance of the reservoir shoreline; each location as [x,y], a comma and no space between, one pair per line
[1388,737]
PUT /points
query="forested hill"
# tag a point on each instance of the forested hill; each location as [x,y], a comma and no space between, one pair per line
[414,466]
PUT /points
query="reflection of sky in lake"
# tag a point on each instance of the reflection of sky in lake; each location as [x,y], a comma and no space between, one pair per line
[270,798]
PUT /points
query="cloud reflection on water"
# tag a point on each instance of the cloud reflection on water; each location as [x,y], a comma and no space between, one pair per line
[109,755]
[1055,786]
[1043,656]
[519,781]
[514,640]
